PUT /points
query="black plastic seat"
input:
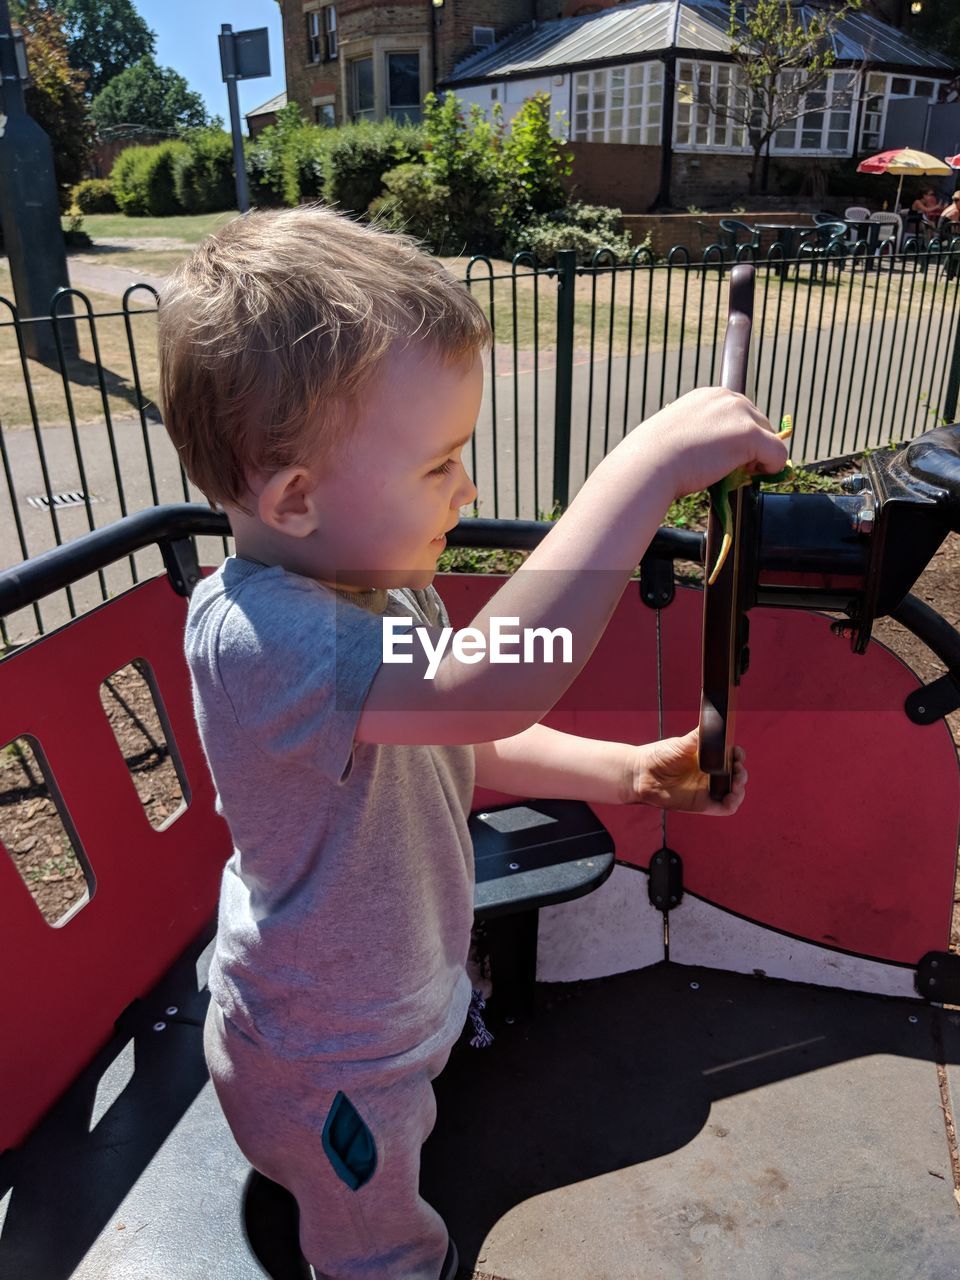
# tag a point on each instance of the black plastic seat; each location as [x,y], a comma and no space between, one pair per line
[536,854]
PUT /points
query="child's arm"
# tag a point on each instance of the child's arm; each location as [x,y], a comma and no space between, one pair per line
[543,763]
[574,578]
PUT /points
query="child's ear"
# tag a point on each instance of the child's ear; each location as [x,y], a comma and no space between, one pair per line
[286,502]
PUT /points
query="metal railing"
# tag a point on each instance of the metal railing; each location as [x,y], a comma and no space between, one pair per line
[863,349]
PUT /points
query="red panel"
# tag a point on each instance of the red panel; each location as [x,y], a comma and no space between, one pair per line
[848,834]
[614,698]
[154,889]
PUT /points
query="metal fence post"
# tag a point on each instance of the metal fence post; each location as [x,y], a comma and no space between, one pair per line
[563,398]
[953,382]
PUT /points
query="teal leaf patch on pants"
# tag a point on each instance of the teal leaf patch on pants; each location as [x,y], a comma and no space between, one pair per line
[349,1143]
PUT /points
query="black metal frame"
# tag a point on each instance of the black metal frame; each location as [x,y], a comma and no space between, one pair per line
[170,526]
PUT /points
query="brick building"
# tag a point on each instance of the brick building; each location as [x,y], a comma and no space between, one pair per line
[366,59]
[643,86]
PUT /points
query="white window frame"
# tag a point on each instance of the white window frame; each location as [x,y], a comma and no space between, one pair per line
[879,84]
[330,29]
[618,104]
[314,37]
[696,126]
[842,101]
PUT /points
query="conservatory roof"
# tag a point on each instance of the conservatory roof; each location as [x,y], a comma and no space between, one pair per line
[645,27]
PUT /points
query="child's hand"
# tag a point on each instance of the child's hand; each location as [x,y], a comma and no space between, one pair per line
[708,433]
[667,775]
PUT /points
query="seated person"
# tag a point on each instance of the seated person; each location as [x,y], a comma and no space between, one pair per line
[927,205]
[951,214]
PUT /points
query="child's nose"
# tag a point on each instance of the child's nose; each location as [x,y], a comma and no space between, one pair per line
[467,492]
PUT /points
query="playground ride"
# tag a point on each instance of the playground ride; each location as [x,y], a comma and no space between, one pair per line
[744,1060]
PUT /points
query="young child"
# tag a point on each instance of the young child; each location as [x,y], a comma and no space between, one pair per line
[321,380]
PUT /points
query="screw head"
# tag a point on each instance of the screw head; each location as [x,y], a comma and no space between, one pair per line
[514,866]
[159,1026]
[172,1010]
[694,986]
[912,1018]
[921,711]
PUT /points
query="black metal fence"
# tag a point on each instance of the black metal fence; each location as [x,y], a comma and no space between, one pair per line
[862,348]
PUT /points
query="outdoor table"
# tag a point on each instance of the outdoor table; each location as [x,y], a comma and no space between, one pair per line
[788,234]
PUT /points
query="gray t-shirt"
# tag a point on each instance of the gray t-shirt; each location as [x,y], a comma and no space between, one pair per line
[346,908]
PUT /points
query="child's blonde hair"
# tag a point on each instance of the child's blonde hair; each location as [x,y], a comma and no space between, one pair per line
[274,326]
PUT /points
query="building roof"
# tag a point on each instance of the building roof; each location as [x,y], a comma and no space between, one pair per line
[276,103]
[629,32]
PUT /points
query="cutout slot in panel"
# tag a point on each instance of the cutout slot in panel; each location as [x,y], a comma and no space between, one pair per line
[140,725]
[38,834]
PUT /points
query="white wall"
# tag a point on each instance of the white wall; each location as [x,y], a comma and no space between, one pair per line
[512,94]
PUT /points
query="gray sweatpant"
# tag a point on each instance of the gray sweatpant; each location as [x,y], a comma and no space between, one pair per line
[345,1144]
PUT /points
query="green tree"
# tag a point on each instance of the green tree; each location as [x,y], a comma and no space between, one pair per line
[781,67]
[106,37]
[54,94]
[149,98]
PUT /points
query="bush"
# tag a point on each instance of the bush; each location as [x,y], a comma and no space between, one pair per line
[533,165]
[93,195]
[142,180]
[259,160]
[415,202]
[583,227]
[359,155]
[203,173]
[288,161]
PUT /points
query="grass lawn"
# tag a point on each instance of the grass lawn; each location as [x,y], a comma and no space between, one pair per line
[88,403]
[190,227]
[154,262]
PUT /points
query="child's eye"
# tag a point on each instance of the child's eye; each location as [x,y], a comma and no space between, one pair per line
[443,468]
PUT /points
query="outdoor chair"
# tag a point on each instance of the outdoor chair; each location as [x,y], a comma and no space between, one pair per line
[892,220]
[734,234]
[918,225]
[825,243]
[856,213]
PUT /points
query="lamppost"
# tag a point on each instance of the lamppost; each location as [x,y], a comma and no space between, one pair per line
[29,208]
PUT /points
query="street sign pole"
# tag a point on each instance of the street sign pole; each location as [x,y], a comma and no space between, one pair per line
[228,64]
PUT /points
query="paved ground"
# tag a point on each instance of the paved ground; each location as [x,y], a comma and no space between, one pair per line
[658,1125]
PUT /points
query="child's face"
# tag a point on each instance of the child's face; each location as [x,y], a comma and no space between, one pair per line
[397,485]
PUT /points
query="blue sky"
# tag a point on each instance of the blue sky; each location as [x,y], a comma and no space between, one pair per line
[187,31]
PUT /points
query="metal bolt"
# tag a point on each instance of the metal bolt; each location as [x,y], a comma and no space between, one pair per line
[673,901]
[912,1018]
[931,982]
[659,897]
[673,862]
[694,986]
[934,964]
[863,521]
[172,1010]
[514,866]
[664,595]
[159,1026]
[854,484]
[921,711]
